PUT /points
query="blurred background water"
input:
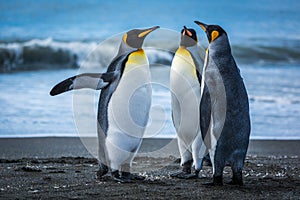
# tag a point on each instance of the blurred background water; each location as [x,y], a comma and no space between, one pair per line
[44,42]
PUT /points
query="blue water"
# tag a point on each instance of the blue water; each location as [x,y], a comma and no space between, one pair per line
[90,19]
[27,109]
[266,43]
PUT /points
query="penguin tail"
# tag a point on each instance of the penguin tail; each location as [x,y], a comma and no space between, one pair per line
[94,81]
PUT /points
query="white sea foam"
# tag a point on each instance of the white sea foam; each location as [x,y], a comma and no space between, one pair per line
[48,53]
[28,110]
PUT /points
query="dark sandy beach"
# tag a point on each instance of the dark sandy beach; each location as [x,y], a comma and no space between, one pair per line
[43,168]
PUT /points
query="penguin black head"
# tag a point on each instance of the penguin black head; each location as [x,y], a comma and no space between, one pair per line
[188,37]
[135,38]
[212,31]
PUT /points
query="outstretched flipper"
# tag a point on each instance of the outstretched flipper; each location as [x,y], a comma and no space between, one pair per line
[94,81]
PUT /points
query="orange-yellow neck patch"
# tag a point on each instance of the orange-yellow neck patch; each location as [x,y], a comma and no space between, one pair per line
[184,63]
[136,59]
[214,35]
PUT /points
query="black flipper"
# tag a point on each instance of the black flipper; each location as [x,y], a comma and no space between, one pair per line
[94,81]
[205,111]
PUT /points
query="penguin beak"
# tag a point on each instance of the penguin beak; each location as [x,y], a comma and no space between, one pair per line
[186,31]
[202,25]
[147,31]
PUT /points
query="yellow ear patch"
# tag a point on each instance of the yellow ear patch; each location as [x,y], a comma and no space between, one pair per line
[125,38]
[142,34]
[214,35]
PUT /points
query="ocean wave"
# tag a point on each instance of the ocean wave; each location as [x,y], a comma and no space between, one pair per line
[39,54]
[49,54]
[42,54]
[278,100]
[265,55]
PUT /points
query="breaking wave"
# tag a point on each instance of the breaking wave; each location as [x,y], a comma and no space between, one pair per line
[39,54]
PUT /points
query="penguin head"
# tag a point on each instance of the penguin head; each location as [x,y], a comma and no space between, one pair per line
[188,37]
[135,38]
[213,32]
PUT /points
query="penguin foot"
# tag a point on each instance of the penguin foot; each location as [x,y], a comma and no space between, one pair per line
[131,176]
[103,169]
[120,179]
[186,172]
[218,181]
[189,176]
[236,180]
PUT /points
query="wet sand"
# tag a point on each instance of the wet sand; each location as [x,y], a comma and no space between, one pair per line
[63,168]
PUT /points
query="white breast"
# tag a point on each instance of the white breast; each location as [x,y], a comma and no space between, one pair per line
[215,85]
[128,109]
[185,90]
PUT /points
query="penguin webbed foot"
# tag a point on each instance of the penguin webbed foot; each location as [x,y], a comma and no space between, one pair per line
[120,179]
[217,181]
[237,179]
[184,174]
[103,169]
[126,177]
[131,176]
[180,174]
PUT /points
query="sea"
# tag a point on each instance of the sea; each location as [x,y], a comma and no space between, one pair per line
[44,42]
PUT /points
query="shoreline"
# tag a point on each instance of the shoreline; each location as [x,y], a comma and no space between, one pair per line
[45,147]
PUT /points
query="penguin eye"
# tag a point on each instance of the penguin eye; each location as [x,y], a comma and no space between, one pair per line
[214,35]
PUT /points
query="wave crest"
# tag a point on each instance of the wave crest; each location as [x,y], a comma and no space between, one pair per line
[49,54]
[39,54]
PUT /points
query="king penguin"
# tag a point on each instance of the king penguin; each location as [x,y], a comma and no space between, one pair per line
[185,83]
[123,107]
[224,107]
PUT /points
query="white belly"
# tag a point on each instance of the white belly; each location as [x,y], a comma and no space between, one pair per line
[128,109]
[215,84]
[185,90]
